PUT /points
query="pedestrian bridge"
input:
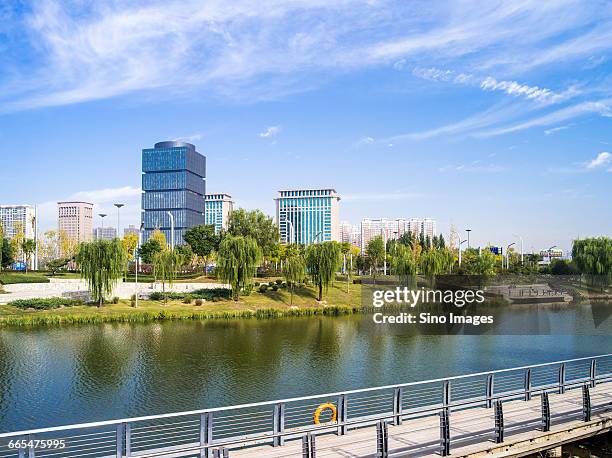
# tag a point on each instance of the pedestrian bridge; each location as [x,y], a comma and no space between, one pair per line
[510,412]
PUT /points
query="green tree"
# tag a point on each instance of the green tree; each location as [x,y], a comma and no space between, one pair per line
[56,264]
[407,238]
[102,263]
[405,265]
[8,254]
[593,258]
[165,266]
[294,271]
[203,241]
[322,260]
[256,225]
[28,246]
[130,243]
[375,251]
[149,249]
[237,261]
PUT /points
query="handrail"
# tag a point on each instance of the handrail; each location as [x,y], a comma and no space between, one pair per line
[287,400]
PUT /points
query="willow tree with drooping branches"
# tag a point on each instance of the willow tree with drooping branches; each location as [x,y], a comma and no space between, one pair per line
[165,265]
[294,271]
[101,263]
[322,261]
[237,261]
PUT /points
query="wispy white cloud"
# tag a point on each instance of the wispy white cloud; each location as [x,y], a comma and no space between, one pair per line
[600,160]
[553,130]
[72,52]
[270,132]
[189,138]
[475,167]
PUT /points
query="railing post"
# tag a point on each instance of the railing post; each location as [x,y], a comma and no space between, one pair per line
[128,440]
[561,378]
[31,450]
[342,414]
[309,448]
[499,422]
[446,395]
[528,385]
[382,440]
[490,390]
[545,412]
[206,434]
[279,424]
[398,394]
[119,439]
[444,432]
[593,373]
[586,403]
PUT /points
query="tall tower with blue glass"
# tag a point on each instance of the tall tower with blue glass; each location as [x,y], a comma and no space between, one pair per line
[173,181]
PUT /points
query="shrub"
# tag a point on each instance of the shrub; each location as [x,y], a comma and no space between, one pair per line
[247,290]
[187,299]
[279,281]
[45,303]
[257,283]
[275,288]
[115,300]
[156,296]
[271,283]
[133,302]
[133,297]
[199,302]
[283,285]
[263,288]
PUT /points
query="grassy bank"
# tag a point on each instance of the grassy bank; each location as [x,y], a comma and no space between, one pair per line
[11,278]
[272,304]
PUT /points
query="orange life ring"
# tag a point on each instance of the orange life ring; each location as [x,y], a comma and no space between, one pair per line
[323,407]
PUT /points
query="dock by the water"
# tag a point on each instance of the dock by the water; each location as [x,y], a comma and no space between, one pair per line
[510,412]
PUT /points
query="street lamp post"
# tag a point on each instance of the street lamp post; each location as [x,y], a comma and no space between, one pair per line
[468,236]
[461,243]
[383,234]
[171,229]
[102,215]
[521,239]
[118,218]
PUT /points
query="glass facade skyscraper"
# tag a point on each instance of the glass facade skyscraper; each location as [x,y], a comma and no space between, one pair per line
[308,215]
[173,180]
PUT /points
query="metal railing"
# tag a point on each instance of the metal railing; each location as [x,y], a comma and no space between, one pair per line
[203,433]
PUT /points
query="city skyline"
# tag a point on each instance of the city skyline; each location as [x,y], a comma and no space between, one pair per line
[458,112]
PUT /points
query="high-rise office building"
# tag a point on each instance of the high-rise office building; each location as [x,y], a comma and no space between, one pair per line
[75,220]
[308,215]
[16,219]
[218,208]
[173,181]
[104,233]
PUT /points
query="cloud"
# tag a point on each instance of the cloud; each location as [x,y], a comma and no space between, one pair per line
[557,129]
[270,132]
[600,160]
[513,88]
[73,52]
[189,138]
[474,167]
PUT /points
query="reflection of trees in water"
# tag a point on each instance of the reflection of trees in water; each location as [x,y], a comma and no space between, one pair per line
[102,359]
[7,363]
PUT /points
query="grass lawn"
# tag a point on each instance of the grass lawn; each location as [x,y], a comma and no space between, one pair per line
[268,304]
[10,278]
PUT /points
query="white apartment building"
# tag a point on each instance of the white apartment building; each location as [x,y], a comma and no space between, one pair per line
[18,218]
[75,219]
[394,228]
[104,233]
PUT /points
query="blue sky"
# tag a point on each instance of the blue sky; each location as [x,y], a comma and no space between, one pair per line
[491,115]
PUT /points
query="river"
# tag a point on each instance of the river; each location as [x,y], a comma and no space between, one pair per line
[78,373]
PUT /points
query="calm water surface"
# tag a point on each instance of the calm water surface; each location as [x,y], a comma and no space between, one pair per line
[60,375]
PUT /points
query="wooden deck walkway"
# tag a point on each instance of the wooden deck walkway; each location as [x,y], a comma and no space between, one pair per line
[472,431]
